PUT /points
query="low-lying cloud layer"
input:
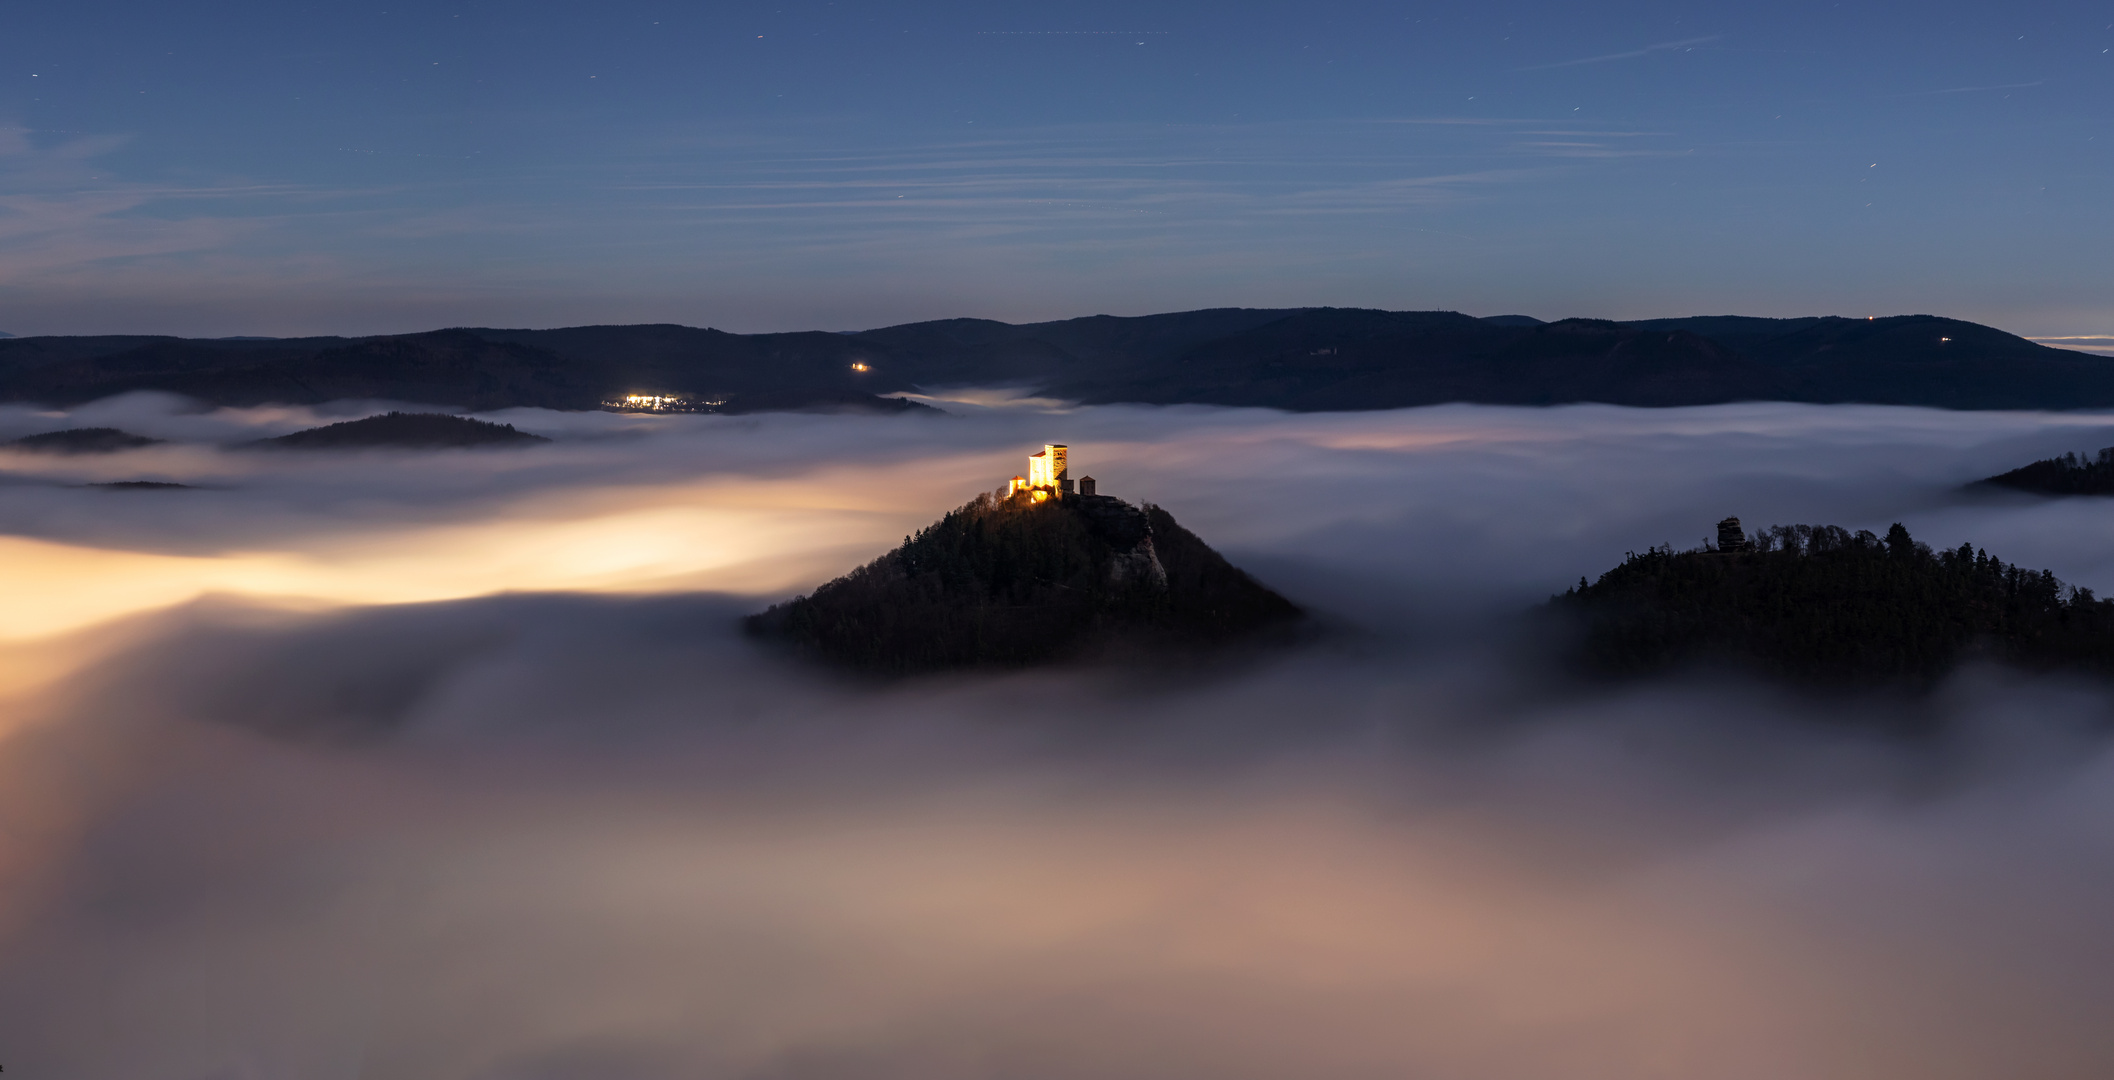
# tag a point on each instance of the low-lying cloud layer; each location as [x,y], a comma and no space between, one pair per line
[372,766]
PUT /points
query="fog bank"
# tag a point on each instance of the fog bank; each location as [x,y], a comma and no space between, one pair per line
[487,784]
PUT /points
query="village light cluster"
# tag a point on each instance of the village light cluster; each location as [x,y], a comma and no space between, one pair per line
[649,402]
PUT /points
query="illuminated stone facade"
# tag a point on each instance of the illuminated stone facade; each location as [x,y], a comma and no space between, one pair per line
[1049,473]
[1047,469]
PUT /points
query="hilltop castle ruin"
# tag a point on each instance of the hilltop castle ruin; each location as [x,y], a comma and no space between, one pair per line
[1049,475]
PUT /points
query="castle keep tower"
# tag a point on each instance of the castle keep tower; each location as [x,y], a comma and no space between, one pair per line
[1048,469]
[1049,473]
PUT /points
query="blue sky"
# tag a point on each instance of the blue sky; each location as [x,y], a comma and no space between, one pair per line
[279,168]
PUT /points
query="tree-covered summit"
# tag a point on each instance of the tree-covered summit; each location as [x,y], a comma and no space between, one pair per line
[2070,474]
[1819,605]
[418,431]
[1011,581]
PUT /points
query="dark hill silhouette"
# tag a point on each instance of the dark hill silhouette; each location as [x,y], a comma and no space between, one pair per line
[468,369]
[1070,351]
[1007,581]
[2066,475]
[1302,359]
[451,367]
[713,364]
[21,355]
[1821,606]
[1336,359]
[1911,360]
[90,440]
[418,431]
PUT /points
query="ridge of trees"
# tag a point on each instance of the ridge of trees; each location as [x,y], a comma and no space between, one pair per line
[1820,605]
[2070,474]
[402,429]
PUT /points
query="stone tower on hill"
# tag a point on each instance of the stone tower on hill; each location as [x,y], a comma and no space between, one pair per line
[1049,473]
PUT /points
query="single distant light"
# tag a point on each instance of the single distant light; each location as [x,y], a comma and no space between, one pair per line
[860,367]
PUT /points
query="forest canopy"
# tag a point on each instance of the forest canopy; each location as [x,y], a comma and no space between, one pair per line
[2069,474]
[1820,605]
[1010,581]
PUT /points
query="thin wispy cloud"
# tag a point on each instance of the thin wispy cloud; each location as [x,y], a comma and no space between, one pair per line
[1664,46]
[1975,89]
[2091,343]
[64,212]
[1550,148]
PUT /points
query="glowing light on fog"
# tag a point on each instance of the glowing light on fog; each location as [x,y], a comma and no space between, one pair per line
[738,536]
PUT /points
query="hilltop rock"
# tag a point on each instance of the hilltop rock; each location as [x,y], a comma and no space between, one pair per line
[1008,581]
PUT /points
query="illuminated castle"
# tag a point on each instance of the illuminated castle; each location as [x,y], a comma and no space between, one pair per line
[1049,475]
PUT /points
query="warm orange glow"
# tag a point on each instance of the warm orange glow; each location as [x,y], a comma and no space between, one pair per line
[739,535]
[1047,468]
[861,367]
[1047,471]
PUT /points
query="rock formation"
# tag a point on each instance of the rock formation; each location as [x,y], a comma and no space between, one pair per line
[1730,538]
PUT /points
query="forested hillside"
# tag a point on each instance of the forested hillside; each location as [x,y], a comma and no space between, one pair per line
[1823,606]
[1009,581]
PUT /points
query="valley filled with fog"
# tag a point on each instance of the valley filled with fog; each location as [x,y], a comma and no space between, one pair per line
[456,764]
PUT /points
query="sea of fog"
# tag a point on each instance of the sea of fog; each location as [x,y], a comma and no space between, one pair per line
[455,765]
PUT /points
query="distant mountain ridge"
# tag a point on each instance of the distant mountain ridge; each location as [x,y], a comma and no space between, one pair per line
[1302,359]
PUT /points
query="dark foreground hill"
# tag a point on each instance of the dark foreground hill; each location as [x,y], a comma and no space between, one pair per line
[411,431]
[1820,606]
[1008,581]
[1301,359]
[2066,475]
[88,440]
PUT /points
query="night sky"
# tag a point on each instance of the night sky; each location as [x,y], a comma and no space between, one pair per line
[285,167]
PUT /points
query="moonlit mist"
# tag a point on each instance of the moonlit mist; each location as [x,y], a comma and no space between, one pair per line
[348,765]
